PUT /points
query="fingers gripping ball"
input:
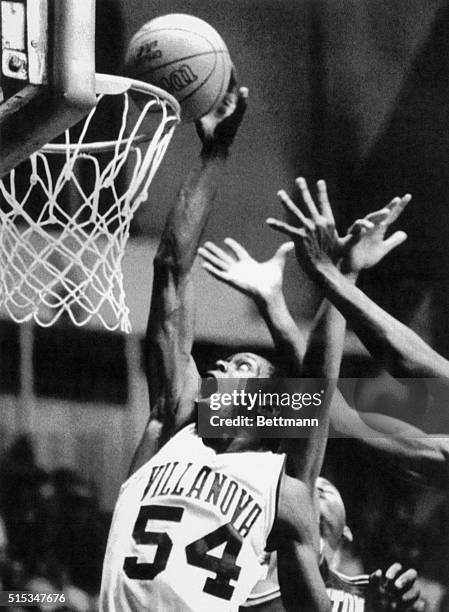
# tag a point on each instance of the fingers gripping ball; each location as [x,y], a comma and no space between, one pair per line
[185,56]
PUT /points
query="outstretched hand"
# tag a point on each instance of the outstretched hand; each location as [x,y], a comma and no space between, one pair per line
[369,244]
[315,235]
[259,280]
[218,128]
[316,238]
[394,590]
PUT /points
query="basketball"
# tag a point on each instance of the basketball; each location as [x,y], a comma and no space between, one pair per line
[185,56]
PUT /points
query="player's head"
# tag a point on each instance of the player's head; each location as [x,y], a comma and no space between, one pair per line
[333,528]
[240,366]
[243,365]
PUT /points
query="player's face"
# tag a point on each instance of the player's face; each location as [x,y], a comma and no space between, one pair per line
[242,365]
[239,366]
[332,512]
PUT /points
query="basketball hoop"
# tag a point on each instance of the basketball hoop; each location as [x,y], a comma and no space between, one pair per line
[66,258]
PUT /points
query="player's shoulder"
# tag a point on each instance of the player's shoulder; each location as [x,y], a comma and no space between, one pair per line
[184,438]
[291,489]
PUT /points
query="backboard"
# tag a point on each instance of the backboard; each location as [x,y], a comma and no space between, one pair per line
[47,72]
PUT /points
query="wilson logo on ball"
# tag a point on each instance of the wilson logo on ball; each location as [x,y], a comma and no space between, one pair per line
[179,79]
[148,52]
[185,56]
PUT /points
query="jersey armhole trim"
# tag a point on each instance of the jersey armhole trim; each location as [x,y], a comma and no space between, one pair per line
[277,495]
[135,475]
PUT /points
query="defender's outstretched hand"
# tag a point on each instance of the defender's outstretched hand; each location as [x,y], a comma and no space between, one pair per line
[315,235]
[219,127]
[317,240]
[243,272]
[394,590]
[369,244]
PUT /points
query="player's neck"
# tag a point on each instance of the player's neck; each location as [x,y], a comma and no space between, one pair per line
[240,444]
[333,557]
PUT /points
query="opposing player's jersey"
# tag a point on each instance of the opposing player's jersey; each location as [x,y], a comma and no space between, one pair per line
[347,593]
[189,529]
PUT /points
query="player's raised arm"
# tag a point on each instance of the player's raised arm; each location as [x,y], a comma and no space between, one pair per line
[326,340]
[171,373]
[409,450]
[402,351]
[316,238]
[421,457]
[262,282]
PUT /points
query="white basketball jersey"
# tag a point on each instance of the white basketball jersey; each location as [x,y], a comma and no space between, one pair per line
[189,529]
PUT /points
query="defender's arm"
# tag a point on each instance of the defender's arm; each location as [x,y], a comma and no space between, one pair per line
[296,538]
[316,238]
[402,351]
[421,457]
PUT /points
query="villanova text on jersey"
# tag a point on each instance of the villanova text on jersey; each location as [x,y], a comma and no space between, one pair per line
[176,478]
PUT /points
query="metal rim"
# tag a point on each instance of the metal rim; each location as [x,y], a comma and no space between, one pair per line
[108,84]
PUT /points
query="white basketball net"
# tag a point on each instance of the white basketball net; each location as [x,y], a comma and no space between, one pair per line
[67,260]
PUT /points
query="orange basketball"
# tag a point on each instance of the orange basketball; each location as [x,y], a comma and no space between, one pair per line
[185,56]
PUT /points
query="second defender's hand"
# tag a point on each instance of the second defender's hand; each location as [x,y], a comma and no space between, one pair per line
[369,245]
[258,280]
[394,590]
